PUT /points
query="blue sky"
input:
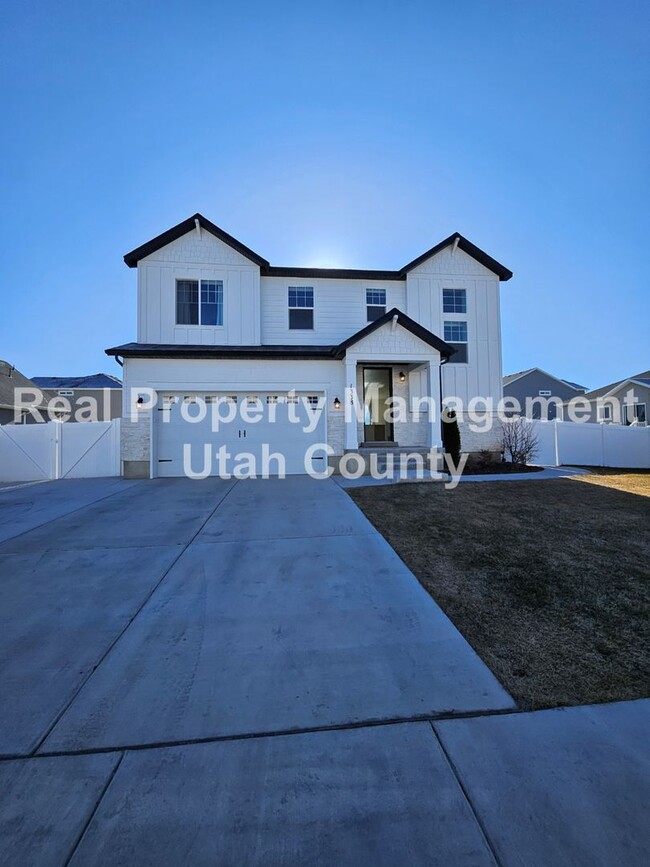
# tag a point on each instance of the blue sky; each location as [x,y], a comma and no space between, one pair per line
[352,134]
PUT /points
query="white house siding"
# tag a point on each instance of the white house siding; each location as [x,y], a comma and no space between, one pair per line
[339,308]
[482,375]
[194,258]
[203,376]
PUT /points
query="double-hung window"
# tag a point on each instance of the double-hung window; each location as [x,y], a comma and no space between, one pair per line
[199,302]
[454,301]
[456,335]
[375,304]
[301,308]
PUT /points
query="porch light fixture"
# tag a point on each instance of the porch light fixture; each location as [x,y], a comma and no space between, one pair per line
[402,376]
[139,402]
[337,403]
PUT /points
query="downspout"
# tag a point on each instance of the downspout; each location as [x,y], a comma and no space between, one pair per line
[440,384]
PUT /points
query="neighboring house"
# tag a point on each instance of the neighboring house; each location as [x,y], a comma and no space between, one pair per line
[535,388]
[84,393]
[216,320]
[624,402]
[10,380]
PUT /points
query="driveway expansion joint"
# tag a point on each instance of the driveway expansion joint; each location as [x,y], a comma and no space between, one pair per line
[443,716]
[479,821]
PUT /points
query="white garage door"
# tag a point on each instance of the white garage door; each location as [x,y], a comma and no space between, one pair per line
[249,425]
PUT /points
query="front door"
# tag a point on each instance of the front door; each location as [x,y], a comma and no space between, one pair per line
[377,391]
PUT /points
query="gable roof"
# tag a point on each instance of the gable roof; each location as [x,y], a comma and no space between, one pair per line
[94,380]
[467,247]
[279,351]
[513,377]
[606,389]
[183,228]
[268,270]
[406,322]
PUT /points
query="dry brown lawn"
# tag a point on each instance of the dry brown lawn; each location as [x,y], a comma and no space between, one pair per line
[547,580]
[633,481]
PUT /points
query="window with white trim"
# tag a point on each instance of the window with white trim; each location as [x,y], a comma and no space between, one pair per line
[199,302]
[634,413]
[312,400]
[544,392]
[375,304]
[272,398]
[605,413]
[65,393]
[456,336]
[454,301]
[301,308]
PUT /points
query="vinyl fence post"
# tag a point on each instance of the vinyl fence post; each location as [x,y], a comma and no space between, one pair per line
[57,449]
[556,443]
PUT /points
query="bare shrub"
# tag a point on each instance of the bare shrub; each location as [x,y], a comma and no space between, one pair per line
[520,440]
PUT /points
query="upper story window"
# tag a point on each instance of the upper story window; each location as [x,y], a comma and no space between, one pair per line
[375,303]
[301,308]
[188,309]
[456,335]
[454,301]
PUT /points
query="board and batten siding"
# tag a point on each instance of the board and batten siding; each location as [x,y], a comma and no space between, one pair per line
[198,258]
[482,375]
[339,308]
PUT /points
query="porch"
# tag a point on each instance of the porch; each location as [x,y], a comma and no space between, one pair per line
[392,405]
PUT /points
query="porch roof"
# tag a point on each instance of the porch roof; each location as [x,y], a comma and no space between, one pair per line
[280,351]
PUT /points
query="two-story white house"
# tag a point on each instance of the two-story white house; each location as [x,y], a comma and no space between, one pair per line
[217,321]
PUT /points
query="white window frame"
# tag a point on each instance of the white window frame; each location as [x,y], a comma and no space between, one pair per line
[452,322]
[370,304]
[454,289]
[545,392]
[199,281]
[635,415]
[291,307]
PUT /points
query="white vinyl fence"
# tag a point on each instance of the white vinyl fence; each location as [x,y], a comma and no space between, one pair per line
[567,443]
[59,450]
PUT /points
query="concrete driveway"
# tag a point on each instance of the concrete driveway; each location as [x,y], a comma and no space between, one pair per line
[226,672]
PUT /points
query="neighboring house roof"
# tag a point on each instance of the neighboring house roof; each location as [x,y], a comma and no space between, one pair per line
[575,385]
[513,377]
[175,350]
[613,386]
[94,380]
[10,379]
[268,270]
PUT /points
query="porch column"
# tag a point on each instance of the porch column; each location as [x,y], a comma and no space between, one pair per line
[351,437]
[433,377]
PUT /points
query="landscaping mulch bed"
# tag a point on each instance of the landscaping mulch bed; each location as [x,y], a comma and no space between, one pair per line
[497,468]
[547,580]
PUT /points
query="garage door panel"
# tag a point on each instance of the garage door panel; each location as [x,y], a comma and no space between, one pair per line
[286,426]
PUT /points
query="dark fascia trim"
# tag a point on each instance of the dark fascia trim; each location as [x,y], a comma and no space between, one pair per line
[491,264]
[170,350]
[332,273]
[183,228]
[406,322]
[268,270]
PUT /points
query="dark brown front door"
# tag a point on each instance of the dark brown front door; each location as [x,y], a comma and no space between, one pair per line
[377,391]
